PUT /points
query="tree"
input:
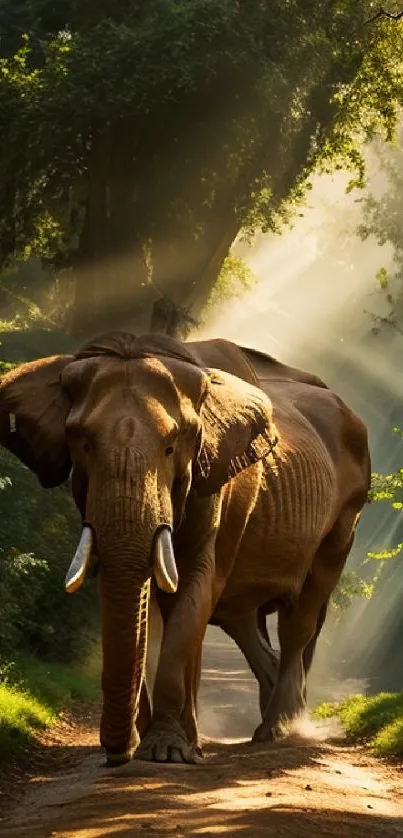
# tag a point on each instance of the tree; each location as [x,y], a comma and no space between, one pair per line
[138,139]
[383,220]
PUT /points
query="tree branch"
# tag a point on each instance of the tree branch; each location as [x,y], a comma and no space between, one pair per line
[382,13]
[30,304]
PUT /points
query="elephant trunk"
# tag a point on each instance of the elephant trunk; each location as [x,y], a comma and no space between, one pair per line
[129,515]
[125,598]
[124,601]
[125,509]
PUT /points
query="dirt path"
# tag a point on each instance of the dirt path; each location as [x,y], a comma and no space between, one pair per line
[305,786]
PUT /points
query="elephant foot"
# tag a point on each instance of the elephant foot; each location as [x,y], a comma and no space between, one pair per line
[115,760]
[264,733]
[165,743]
[276,722]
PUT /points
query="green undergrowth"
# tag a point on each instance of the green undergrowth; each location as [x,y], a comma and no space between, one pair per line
[32,694]
[374,720]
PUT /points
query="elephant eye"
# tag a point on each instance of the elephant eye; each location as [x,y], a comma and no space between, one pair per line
[78,436]
[170,440]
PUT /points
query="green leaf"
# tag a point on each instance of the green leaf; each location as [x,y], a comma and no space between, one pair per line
[383,277]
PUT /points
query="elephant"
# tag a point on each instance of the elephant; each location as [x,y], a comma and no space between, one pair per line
[215,484]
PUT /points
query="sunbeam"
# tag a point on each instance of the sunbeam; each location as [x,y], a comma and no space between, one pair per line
[310,307]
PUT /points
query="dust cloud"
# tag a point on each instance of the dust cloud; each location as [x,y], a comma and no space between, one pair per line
[314,306]
[319,730]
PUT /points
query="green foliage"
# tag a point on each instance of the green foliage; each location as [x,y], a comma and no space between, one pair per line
[382,220]
[32,298]
[5,366]
[389,740]
[39,531]
[384,487]
[53,684]
[382,277]
[234,280]
[23,578]
[387,554]
[351,586]
[388,487]
[20,715]
[130,124]
[377,720]
[32,693]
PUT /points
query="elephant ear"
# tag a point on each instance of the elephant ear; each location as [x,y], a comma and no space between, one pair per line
[237,431]
[33,411]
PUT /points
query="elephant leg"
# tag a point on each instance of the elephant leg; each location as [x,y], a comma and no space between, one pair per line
[295,630]
[190,711]
[309,650]
[261,615]
[173,700]
[298,630]
[192,675]
[256,648]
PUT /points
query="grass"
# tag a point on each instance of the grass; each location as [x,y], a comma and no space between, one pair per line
[32,695]
[20,715]
[376,720]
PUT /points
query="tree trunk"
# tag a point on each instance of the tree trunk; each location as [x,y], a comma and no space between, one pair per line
[148,193]
[160,220]
[111,293]
[169,318]
[112,283]
[177,315]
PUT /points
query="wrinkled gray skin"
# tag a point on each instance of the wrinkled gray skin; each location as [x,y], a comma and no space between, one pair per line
[257,471]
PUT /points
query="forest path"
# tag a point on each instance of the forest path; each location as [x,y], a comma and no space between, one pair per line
[307,785]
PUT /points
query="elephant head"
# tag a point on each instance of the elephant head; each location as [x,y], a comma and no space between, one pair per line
[139,425]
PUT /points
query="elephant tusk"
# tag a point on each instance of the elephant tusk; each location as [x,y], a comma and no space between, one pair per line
[77,571]
[164,565]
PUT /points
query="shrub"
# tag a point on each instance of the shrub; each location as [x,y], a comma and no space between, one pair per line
[375,719]
[39,531]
